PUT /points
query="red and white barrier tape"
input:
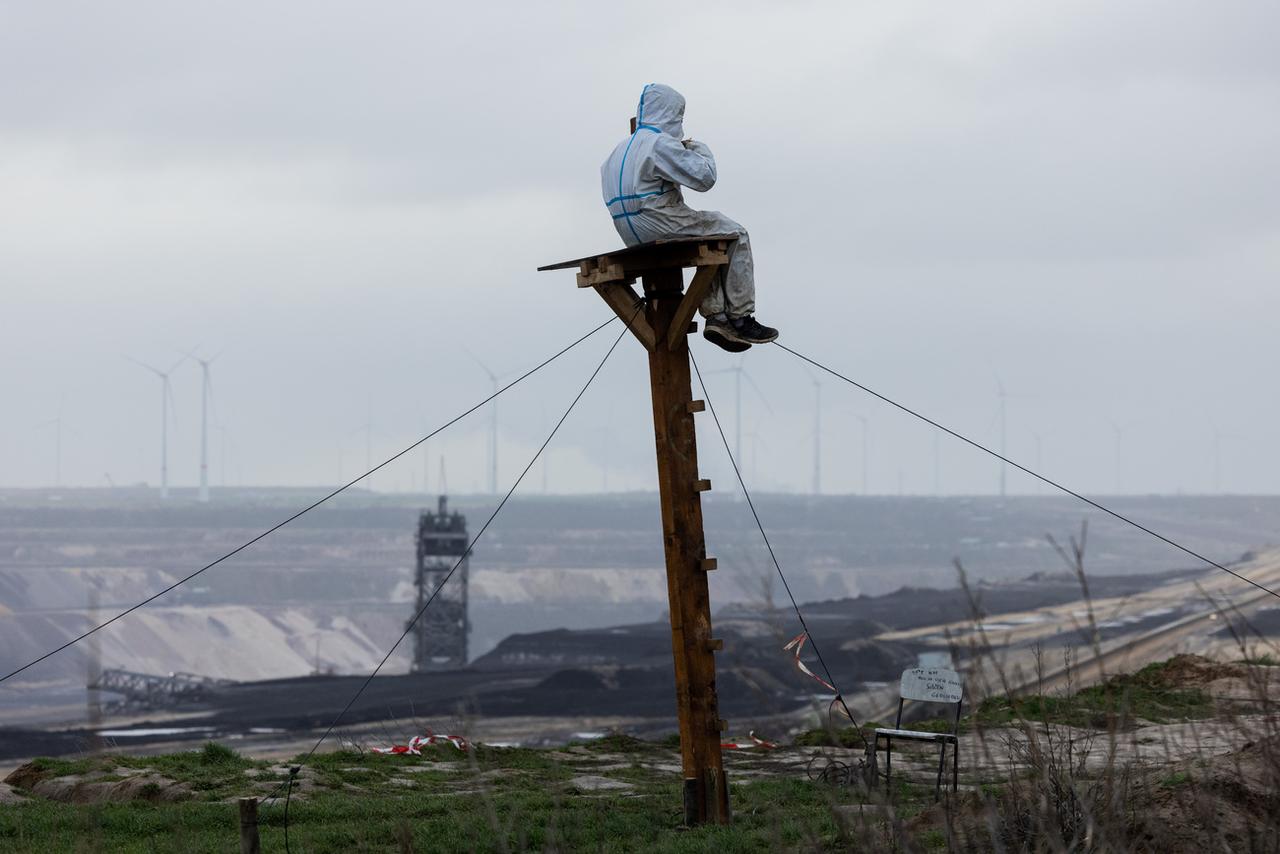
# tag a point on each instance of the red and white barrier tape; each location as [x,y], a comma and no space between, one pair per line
[756,742]
[797,643]
[415,745]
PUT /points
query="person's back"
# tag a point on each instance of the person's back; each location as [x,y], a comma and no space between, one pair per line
[640,184]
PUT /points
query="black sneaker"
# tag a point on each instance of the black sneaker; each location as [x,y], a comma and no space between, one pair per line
[745,330]
[723,335]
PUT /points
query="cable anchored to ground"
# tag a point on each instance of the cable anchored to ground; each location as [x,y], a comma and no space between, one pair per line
[831,680]
[309,507]
[1092,503]
[470,546]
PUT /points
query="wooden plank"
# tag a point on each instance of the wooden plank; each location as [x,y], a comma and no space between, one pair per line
[644,249]
[626,304]
[696,406]
[702,485]
[693,297]
[707,564]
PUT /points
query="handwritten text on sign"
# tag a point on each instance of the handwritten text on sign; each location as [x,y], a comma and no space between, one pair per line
[932,685]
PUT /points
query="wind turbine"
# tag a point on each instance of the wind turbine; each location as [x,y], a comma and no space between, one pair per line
[817,434]
[937,463]
[206,390]
[1118,430]
[166,390]
[1039,459]
[1004,433]
[754,438]
[1217,460]
[1218,436]
[56,423]
[865,455]
[493,425]
[367,429]
[739,373]
[426,466]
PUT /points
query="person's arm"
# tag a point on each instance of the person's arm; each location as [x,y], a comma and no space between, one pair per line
[689,164]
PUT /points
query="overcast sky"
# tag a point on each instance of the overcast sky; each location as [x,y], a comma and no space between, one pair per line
[1080,199]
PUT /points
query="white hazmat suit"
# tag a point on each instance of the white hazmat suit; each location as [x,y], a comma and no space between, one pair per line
[641,184]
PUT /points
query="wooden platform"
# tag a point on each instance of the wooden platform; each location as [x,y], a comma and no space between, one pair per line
[613,273]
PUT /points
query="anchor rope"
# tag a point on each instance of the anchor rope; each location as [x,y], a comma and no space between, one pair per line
[773,555]
[1055,484]
[309,507]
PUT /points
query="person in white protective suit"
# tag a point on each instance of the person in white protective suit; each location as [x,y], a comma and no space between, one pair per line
[641,184]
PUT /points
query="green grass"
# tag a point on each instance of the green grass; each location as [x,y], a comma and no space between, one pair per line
[494,798]
[844,737]
[1122,699]
[213,772]
[1176,779]
[517,809]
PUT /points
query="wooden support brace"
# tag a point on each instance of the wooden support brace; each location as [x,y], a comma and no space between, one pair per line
[712,252]
[722,725]
[703,485]
[693,297]
[707,564]
[715,644]
[695,406]
[602,271]
[627,305]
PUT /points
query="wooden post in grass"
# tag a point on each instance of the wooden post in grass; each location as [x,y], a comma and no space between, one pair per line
[249,842]
[662,323]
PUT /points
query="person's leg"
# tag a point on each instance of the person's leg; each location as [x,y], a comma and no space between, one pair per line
[729,306]
[734,293]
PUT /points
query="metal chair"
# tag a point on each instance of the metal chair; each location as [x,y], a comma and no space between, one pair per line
[936,685]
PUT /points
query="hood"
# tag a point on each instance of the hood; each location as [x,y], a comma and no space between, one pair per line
[661,107]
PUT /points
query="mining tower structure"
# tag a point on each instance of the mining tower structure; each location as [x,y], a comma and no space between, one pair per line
[440,633]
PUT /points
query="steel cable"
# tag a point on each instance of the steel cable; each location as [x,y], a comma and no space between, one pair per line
[309,507]
[1096,505]
[772,556]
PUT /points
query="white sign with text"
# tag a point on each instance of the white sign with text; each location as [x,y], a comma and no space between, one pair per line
[932,685]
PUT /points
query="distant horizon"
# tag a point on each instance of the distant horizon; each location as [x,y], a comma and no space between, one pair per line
[189,493]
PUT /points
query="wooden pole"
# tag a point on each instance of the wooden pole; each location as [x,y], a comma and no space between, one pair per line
[706,794]
[249,842]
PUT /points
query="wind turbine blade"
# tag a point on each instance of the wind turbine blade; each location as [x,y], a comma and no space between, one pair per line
[746,376]
[483,366]
[155,371]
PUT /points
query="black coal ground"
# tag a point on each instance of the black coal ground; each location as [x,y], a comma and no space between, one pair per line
[620,671]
